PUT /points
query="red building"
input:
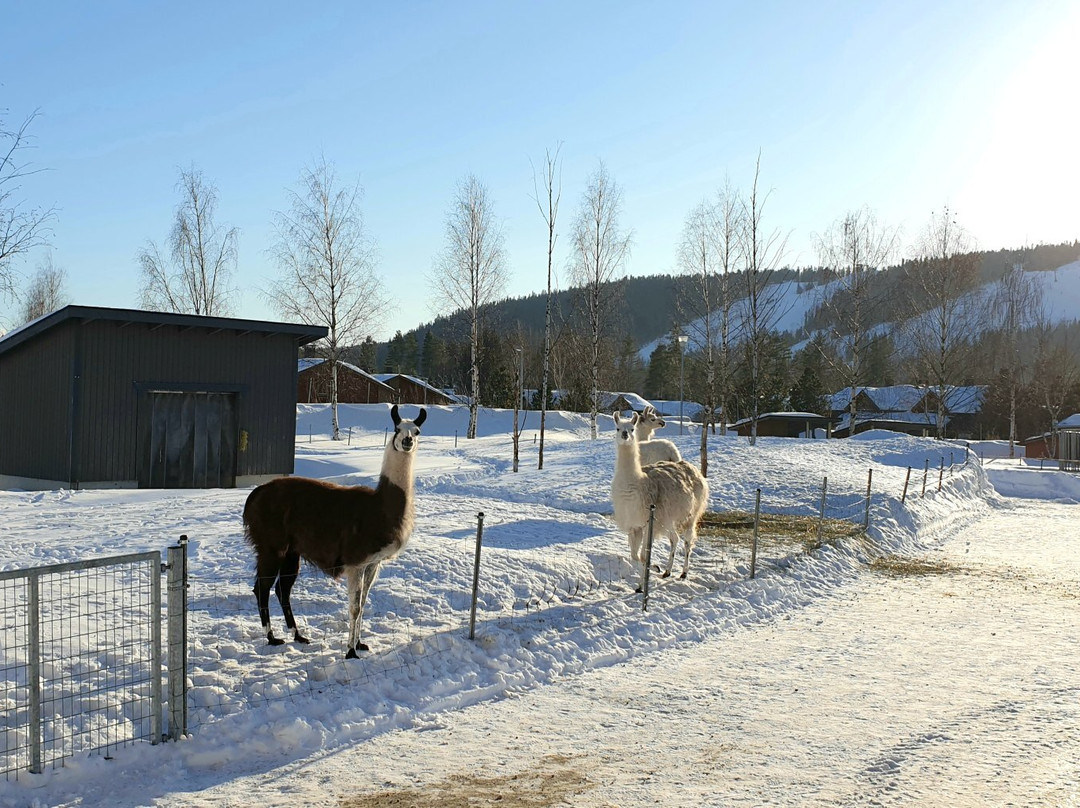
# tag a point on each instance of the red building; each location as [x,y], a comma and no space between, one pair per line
[354,385]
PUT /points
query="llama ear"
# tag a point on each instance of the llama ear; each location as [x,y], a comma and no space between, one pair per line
[395,417]
[618,420]
[421,417]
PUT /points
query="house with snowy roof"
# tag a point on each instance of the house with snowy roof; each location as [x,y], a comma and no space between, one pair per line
[413,390]
[355,386]
[907,408]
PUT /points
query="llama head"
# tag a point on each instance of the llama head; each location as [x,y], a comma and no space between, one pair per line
[624,429]
[406,432]
[651,419]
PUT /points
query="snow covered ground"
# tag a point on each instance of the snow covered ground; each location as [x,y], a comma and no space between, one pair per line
[824,680]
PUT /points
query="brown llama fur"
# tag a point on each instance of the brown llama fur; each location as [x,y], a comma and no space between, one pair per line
[339,529]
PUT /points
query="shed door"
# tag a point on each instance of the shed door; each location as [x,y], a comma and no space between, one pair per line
[192,442]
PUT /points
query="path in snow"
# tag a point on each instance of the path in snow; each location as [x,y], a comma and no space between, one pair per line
[960,688]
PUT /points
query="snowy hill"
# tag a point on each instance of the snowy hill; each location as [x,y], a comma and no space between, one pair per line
[796,301]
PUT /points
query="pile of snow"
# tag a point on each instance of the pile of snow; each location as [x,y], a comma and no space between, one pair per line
[556,593]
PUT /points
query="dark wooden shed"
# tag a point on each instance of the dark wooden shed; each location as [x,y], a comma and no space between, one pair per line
[355,386]
[97,397]
[411,390]
[783,424]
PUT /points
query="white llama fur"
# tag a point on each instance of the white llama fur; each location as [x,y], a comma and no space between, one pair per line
[677,489]
[658,449]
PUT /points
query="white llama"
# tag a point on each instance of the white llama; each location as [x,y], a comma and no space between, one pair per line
[677,489]
[658,449]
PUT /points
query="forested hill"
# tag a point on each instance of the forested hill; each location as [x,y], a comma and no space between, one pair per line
[648,307]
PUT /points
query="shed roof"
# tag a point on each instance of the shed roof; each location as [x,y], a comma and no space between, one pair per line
[85,314]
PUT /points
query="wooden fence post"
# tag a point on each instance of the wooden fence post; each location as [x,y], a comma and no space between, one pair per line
[906,480]
[757,523]
[648,561]
[866,520]
[821,513]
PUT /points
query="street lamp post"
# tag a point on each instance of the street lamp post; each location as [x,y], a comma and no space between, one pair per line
[681,339]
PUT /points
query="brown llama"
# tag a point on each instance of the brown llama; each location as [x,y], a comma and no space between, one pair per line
[337,528]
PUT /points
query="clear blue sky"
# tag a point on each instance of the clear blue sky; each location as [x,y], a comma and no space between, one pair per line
[902,106]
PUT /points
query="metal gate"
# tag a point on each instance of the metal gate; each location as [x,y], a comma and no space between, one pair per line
[80,657]
[192,441]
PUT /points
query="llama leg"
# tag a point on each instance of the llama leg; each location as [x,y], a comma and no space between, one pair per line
[360,581]
[673,536]
[290,569]
[688,546]
[266,573]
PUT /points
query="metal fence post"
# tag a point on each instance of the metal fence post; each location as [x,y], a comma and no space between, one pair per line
[33,669]
[156,733]
[821,515]
[648,561]
[925,470]
[177,617]
[866,519]
[941,472]
[476,574]
[757,523]
[906,481]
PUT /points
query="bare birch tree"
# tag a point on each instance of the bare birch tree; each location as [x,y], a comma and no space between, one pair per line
[22,227]
[729,225]
[195,275]
[701,304]
[947,313]
[852,250]
[472,270]
[547,201]
[45,292]
[327,266]
[1055,373]
[762,252]
[1016,305]
[600,251]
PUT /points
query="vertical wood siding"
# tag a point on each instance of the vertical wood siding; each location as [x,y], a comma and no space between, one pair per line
[117,363]
[35,404]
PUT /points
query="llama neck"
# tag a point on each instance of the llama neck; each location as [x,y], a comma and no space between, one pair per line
[397,469]
[642,432]
[628,461]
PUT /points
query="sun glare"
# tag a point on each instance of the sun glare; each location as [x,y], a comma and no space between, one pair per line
[1025,182]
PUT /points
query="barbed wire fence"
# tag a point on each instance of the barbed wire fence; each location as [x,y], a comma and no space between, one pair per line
[753,537]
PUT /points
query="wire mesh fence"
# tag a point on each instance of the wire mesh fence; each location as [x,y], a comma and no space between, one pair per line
[80,649]
[415,623]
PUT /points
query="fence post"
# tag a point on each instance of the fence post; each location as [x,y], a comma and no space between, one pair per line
[648,561]
[951,462]
[866,519]
[821,514]
[156,733]
[906,480]
[757,523]
[941,472]
[925,470]
[177,617]
[33,669]
[476,574]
